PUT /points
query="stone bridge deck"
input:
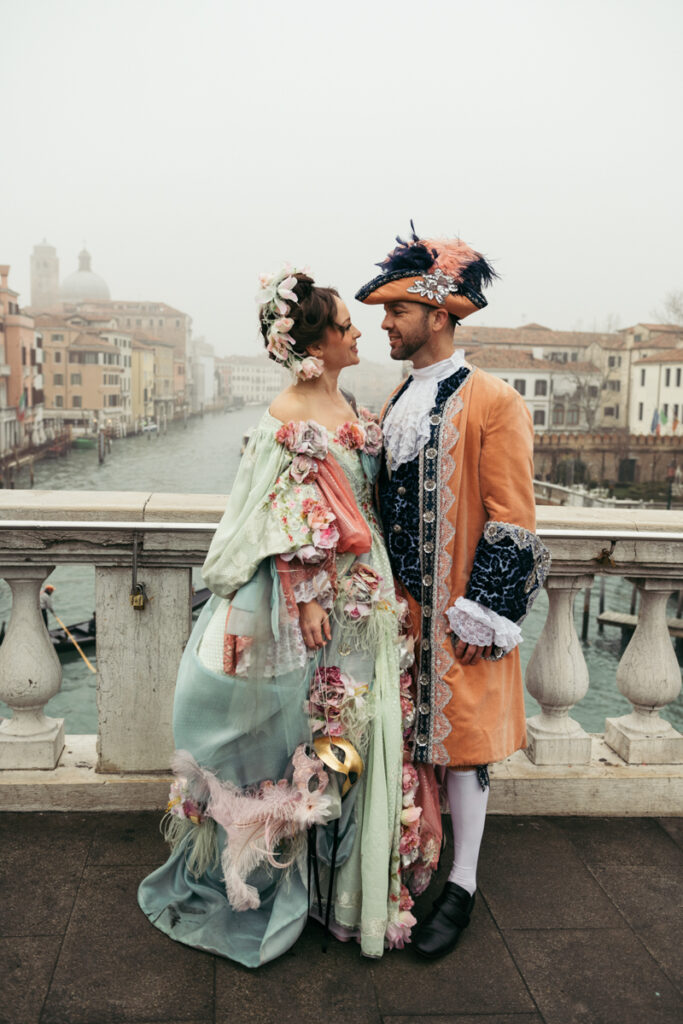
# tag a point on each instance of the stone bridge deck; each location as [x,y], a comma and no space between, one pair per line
[578,922]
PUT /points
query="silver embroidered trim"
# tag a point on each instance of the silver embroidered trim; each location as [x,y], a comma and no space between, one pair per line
[523,539]
[436,286]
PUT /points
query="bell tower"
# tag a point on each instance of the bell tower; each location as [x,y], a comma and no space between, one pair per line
[44,277]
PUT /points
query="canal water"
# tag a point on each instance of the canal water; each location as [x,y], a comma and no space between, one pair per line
[202,457]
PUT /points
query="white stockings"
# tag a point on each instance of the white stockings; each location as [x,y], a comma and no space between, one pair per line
[467,801]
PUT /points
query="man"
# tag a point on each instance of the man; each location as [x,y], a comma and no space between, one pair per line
[456,498]
[46,604]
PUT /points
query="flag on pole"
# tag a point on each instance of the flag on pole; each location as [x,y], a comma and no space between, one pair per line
[655,422]
[663,418]
[675,424]
[21,411]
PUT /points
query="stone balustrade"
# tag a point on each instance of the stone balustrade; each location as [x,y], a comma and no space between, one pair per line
[636,767]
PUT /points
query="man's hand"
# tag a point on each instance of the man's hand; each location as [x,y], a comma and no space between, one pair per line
[469,654]
[315,624]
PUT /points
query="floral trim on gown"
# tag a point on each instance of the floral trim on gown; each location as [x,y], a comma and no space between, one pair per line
[283,756]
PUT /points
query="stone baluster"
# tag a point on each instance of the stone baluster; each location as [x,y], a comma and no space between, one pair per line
[30,674]
[650,678]
[557,677]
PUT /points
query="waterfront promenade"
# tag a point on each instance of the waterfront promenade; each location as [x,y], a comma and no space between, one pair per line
[577,922]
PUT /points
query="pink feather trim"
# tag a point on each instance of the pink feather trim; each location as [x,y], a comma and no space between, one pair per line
[453,254]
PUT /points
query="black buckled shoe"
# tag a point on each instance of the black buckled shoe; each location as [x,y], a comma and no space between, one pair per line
[441,929]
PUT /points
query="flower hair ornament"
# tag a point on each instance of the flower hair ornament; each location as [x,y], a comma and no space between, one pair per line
[275,298]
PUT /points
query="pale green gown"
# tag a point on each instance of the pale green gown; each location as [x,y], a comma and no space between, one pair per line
[245,730]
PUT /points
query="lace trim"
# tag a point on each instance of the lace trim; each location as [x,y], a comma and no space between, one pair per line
[477,624]
[317,589]
[407,425]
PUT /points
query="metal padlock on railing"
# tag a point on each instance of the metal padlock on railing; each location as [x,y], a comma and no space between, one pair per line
[138,596]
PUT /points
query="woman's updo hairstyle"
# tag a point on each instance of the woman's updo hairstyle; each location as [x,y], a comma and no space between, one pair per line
[314,311]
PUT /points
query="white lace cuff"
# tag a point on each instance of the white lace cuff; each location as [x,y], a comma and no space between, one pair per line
[476,624]
[317,589]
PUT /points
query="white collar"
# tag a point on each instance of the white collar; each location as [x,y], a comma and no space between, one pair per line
[444,368]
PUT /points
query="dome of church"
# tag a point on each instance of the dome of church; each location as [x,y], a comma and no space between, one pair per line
[84,283]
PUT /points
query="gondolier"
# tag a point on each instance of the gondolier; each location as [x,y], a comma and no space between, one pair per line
[46,604]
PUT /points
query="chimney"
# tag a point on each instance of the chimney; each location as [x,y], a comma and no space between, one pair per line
[4,274]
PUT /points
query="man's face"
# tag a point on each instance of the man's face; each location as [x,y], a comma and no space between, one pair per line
[408,326]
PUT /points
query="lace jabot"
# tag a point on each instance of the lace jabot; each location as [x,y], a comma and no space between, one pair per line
[406,426]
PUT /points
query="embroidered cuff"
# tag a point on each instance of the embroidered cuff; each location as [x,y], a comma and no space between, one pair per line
[319,589]
[510,567]
[476,624]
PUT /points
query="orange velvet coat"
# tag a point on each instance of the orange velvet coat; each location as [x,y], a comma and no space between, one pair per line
[478,711]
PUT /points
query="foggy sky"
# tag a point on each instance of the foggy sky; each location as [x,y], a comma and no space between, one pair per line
[192,144]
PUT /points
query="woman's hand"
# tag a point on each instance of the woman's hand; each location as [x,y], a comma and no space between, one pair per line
[315,625]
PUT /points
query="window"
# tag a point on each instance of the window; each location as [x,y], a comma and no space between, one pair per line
[90,358]
[23,355]
[666,409]
[608,410]
[678,378]
[676,411]
[640,410]
[539,417]
[573,415]
[57,356]
[74,357]
[75,378]
[614,361]
[520,385]
[592,391]
[667,377]
[614,385]
[59,402]
[77,402]
[58,337]
[637,338]
[642,378]
[575,357]
[558,415]
[541,388]
[58,378]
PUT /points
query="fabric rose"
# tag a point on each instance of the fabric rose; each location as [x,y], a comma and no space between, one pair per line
[326,538]
[303,469]
[278,346]
[310,368]
[373,435]
[351,435]
[398,932]
[303,437]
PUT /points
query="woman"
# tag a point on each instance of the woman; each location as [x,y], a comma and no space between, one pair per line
[293,707]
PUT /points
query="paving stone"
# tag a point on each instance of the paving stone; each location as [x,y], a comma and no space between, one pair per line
[26,966]
[47,852]
[129,839]
[674,827]
[619,840]
[305,986]
[462,982]
[652,904]
[532,877]
[467,1018]
[590,976]
[115,966]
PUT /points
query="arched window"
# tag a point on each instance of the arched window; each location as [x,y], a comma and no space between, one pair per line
[558,415]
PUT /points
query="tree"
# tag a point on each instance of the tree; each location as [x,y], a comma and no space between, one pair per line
[671,309]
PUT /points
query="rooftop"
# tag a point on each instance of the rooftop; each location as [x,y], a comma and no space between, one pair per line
[497,358]
[576,923]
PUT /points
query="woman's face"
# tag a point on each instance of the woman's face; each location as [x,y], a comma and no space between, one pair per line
[340,346]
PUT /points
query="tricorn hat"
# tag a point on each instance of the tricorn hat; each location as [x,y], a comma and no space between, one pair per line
[440,272]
